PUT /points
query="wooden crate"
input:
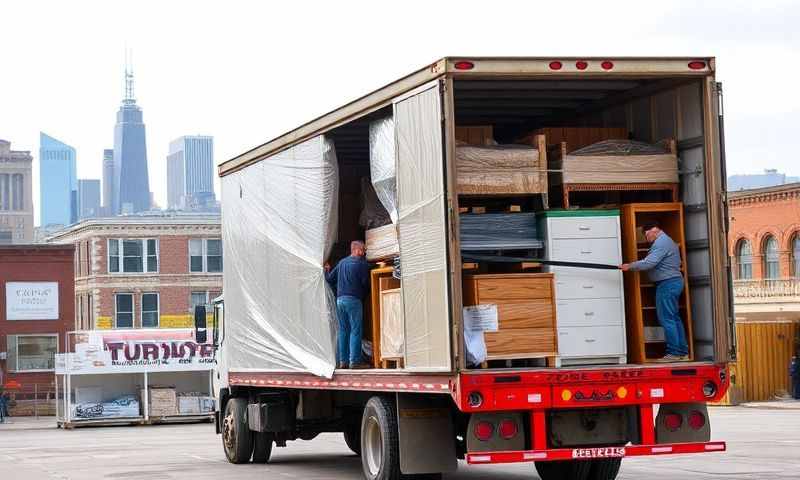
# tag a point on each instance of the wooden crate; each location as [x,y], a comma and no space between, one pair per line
[640,309]
[526,313]
[576,137]
[475,135]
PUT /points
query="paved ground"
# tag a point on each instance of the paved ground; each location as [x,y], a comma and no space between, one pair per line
[763,444]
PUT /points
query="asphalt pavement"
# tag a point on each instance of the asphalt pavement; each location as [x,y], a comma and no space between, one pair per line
[763,443]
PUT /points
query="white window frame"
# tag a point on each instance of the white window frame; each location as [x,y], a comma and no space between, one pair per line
[133,309]
[204,254]
[192,292]
[158,310]
[121,257]
[16,351]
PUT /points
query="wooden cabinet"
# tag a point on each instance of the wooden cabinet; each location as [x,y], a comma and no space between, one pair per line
[525,310]
[381,279]
[645,335]
[589,302]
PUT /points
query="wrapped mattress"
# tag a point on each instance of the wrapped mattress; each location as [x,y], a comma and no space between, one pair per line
[620,161]
[499,231]
[500,170]
[382,243]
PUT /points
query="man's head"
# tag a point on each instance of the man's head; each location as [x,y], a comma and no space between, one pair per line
[651,230]
[357,248]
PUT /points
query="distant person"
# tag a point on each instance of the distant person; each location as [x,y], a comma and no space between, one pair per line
[663,265]
[3,402]
[350,277]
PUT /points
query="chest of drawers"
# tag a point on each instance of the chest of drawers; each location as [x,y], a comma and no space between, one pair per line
[590,306]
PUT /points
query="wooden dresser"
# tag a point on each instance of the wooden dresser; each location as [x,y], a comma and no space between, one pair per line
[525,312]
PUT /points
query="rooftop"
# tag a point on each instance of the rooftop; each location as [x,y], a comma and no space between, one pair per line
[143,219]
[753,192]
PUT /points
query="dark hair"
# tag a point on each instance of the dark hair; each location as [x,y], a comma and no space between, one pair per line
[648,225]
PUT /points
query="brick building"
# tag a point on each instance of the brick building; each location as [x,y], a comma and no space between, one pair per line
[37,308]
[144,271]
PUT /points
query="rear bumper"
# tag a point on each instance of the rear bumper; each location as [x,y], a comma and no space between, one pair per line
[479,458]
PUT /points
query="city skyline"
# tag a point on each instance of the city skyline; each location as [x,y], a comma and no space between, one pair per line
[58,182]
[190,172]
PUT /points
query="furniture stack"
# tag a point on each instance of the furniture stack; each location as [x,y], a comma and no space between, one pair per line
[525,313]
[589,302]
[502,169]
[163,402]
[645,335]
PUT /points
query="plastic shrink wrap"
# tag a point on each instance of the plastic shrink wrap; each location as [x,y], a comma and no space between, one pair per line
[500,169]
[279,222]
[382,165]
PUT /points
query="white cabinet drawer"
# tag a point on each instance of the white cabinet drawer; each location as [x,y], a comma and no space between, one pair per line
[576,283]
[592,250]
[583,227]
[591,341]
[589,313]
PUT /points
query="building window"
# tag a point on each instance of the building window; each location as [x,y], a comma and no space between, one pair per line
[132,255]
[198,298]
[150,310]
[771,258]
[27,353]
[123,310]
[795,249]
[744,260]
[205,255]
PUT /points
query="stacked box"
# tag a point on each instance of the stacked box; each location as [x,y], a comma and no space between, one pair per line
[382,243]
[163,402]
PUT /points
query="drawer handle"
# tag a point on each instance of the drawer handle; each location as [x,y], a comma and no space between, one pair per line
[590,340]
[588,286]
[584,228]
[589,314]
[586,251]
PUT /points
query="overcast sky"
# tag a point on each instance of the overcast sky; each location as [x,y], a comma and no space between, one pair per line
[245,72]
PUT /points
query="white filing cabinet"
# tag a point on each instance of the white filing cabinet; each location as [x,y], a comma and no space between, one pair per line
[590,303]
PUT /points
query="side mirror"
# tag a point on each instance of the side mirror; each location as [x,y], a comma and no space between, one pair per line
[200,335]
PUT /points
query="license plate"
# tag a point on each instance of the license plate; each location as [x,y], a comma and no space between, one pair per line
[608,452]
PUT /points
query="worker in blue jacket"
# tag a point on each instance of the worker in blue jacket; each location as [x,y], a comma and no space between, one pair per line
[350,277]
[663,265]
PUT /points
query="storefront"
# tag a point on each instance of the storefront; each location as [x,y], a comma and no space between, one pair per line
[134,376]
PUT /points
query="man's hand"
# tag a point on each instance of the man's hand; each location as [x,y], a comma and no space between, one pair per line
[327,267]
[625,267]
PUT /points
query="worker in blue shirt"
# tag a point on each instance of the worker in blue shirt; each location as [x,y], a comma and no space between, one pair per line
[351,280]
[663,265]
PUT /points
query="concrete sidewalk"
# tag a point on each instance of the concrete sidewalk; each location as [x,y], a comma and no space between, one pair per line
[28,423]
[778,404]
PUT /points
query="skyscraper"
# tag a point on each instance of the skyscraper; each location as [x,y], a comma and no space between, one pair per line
[190,173]
[16,199]
[131,184]
[58,182]
[88,198]
[108,182]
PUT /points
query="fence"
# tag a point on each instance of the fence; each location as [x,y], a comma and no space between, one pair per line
[764,352]
[32,400]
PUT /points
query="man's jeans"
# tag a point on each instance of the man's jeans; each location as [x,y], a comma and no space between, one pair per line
[668,293]
[350,313]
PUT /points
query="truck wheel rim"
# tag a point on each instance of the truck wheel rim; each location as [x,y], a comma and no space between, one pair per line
[227,433]
[373,441]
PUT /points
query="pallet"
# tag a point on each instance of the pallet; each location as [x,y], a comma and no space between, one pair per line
[550,362]
[387,363]
[568,188]
[477,210]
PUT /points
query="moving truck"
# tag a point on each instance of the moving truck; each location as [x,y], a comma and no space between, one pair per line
[289,205]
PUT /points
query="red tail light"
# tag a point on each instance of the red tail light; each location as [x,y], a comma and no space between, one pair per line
[555,65]
[673,421]
[697,420]
[464,65]
[697,65]
[607,65]
[581,65]
[508,429]
[484,431]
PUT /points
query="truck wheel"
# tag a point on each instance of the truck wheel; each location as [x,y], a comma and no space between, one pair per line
[237,439]
[380,449]
[605,468]
[262,447]
[564,470]
[352,437]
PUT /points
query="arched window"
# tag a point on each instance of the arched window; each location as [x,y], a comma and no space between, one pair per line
[744,260]
[771,259]
[795,249]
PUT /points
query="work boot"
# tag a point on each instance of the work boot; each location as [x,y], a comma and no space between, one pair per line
[360,366]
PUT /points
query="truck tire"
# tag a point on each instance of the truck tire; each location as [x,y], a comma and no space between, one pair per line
[237,439]
[605,468]
[380,448]
[564,470]
[262,447]
[352,437]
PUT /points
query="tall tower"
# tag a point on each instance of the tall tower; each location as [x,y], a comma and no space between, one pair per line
[58,182]
[131,183]
[190,173]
